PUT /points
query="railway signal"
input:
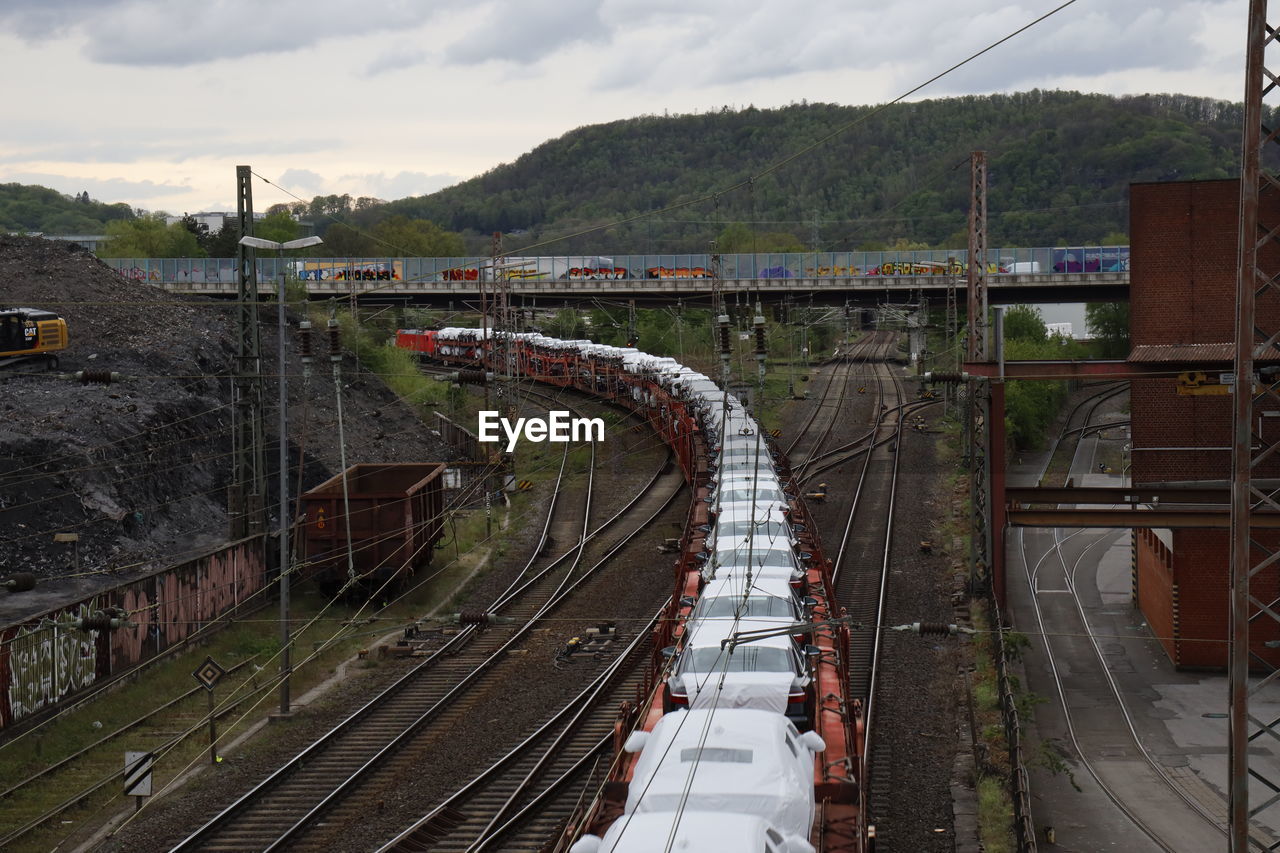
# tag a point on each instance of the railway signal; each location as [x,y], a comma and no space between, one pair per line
[209,674]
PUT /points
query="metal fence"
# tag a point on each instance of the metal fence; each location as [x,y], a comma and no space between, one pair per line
[1019,780]
[1014,261]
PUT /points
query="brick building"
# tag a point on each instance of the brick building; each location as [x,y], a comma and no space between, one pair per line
[1184,254]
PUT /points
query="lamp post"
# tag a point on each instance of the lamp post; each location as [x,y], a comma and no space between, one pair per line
[285,668]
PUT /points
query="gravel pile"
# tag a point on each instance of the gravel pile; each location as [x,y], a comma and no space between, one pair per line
[139,468]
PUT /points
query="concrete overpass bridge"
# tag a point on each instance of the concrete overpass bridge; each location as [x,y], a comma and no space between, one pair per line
[1014,276]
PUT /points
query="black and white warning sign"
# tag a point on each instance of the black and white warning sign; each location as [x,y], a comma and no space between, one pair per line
[137,773]
[209,673]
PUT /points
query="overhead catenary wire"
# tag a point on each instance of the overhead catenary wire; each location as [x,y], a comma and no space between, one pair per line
[350,619]
[128,820]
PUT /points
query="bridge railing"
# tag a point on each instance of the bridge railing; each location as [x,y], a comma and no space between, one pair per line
[1000,261]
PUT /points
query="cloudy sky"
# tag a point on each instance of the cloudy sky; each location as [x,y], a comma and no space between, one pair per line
[155,102]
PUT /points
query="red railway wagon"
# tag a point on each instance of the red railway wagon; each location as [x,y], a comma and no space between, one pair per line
[416,340]
[396,517]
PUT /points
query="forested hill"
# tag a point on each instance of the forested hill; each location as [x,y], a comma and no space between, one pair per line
[1059,164]
[34,208]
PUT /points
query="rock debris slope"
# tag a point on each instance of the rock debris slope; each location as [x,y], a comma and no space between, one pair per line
[139,468]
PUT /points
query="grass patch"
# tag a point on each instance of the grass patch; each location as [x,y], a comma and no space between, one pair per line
[995,815]
[398,368]
[253,641]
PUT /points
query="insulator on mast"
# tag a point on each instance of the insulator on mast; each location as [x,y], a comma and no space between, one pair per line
[335,340]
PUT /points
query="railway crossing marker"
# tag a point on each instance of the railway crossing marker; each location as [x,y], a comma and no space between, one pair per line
[209,674]
[137,775]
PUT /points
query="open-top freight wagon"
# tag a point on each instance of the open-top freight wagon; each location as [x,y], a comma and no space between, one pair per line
[392,516]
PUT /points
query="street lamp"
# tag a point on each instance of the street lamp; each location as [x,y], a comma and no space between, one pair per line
[259,243]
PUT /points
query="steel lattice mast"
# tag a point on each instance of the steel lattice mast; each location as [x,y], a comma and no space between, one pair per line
[1253,562]
[247,497]
[978,393]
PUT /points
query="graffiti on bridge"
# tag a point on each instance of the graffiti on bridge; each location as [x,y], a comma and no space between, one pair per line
[598,273]
[677,272]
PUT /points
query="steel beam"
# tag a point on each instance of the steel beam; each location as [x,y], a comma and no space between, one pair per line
[1072,369]
[1219,519]
[1218,497]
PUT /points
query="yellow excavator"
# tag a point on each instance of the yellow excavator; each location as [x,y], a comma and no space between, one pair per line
[31,333]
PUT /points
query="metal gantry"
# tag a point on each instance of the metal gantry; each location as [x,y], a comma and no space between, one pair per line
[247,497]
[1253,554]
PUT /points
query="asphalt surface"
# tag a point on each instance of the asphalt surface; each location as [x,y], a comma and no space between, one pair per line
[1070,592]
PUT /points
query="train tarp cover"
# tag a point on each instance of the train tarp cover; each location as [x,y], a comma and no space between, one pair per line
[742,767]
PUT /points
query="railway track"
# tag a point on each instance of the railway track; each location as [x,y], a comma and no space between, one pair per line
[1073,638]
[515,801]
[850,450]
[861,569]
[331,782]
[74,761]
[816,429]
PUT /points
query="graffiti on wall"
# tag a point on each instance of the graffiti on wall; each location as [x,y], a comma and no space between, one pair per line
[49,660]
[131,645]
[597,273]
[43,662]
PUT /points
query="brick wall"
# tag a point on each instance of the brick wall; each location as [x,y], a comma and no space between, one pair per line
[1200,575]
[1183,262]
[1182,291]
[1157,595]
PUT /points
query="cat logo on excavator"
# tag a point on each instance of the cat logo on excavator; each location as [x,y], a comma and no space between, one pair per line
[31,333]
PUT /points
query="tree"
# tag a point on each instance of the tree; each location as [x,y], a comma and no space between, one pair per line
[223,242]
[198,230]
[1108,324]
[739,239]
[401,237]
[148,237]
[328,210]
[1025,323]
[343,241]
[566,324]
[278,226]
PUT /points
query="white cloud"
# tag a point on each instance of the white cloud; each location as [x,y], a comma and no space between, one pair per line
[522,33]
[180,33]
[399,185]
[302,180]
[388,98]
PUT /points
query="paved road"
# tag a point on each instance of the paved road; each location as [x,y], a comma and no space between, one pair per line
[1076,584]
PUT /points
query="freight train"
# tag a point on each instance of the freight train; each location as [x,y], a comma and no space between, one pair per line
[746,739]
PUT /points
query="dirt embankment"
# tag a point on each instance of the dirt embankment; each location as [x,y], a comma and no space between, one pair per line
[140,468]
